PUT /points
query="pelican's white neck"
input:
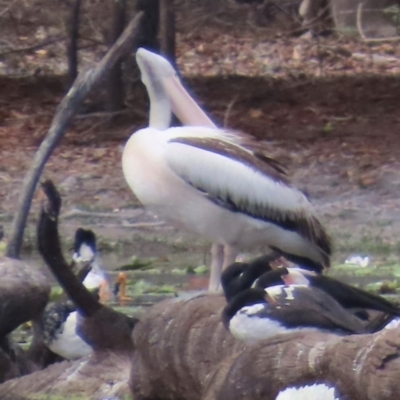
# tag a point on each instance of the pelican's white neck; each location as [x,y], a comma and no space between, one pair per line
[152,71]
[167,94]
[160,107]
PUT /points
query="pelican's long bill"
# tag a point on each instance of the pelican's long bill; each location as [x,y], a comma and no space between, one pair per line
[204,180]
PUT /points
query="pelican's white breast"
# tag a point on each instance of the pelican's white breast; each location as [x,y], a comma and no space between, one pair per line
[164,174]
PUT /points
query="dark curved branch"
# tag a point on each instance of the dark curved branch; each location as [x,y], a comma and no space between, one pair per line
[65,112]
[50,249]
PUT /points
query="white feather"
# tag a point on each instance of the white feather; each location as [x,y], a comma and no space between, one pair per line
[223,176]
[283,290]
[68,343]
[96,275]
[95,278]
[85,254]
[359,261]
[394,324]
[311,392]
[299,276]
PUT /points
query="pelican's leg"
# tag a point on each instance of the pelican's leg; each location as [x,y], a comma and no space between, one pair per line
[217,260]
[230,254]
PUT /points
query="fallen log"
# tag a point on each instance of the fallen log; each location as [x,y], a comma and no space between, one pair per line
[24,293]
[177,346]
[184,352]
[360,367]
[103,374]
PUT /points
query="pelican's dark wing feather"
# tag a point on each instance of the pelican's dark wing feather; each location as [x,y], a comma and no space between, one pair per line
[237,179]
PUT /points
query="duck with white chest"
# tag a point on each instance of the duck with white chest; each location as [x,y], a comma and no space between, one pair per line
[347,296]
[256,314]
[59,326]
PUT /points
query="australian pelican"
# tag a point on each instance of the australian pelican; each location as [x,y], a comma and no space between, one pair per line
[203,179]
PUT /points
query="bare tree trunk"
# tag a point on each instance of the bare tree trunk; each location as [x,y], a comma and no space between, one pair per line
[72,43]
[183,352]
[167,30]
[148,34]
[61,120]
[115,83]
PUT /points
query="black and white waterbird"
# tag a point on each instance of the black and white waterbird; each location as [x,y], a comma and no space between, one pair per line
[59,327]
[85,250]
[209,181]
[257,314]
[346,295]
[60,320]
[240,276]
[59,323]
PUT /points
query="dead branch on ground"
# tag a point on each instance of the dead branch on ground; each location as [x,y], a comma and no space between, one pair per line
[34,47]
